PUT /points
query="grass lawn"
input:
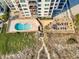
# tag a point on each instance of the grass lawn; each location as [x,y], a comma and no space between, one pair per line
[12,43]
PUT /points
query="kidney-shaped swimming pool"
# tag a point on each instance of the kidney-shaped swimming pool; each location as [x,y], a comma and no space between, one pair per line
[20,26]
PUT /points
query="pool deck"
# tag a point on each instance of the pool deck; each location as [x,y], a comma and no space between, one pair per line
[32,21]
[46,22]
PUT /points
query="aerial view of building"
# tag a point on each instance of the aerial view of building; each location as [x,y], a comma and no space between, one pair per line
[37,8]
[39,29]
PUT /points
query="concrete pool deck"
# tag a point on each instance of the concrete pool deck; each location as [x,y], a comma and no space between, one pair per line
[32,21]
[46,22]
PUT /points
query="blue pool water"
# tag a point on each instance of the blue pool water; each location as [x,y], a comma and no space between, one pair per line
[20,26]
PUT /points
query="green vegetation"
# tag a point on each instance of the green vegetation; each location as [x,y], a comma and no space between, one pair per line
[5,16]
[71,41]
[14,42]
[77,21]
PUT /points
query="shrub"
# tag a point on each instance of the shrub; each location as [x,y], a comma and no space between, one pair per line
[71,41]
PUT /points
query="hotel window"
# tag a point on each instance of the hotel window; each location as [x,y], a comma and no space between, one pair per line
[22,0]
[62,0]
[24,5]
[52,0]
[56,4]
[45,11]
[32,1]
[55,7]
[47,0]
[39,4]
[39,14]
[52,4]
[39,11]
[25,9]
[49,13]
[46,8]
[26,12]
[19,5]
[57,0]
[60,7]
[21,9]
[39,0]
[39,8]
[60,4]
[46,4]
[50,7]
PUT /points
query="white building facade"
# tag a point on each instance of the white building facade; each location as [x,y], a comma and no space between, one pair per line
[37,8]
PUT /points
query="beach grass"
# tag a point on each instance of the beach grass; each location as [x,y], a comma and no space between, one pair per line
[14,42]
